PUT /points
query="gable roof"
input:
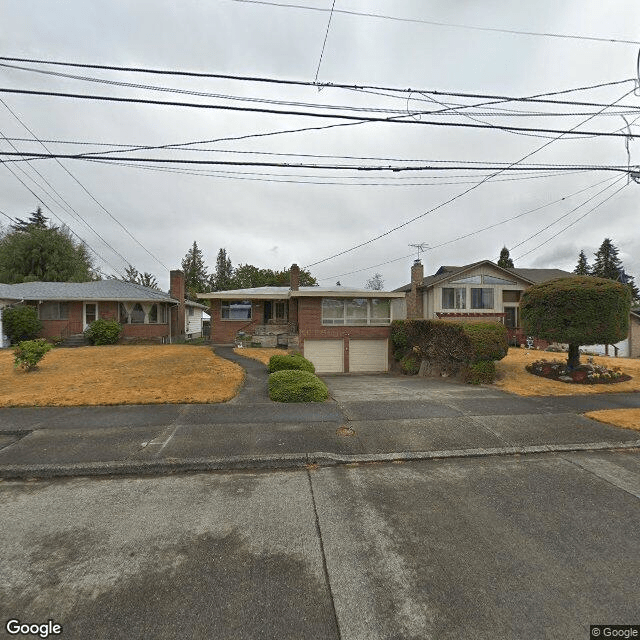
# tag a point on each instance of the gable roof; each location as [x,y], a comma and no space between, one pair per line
[532,276]
[98,290]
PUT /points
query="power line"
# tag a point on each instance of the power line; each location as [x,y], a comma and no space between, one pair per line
[26,156]
[307,114]
[73,177]
[624,186]
[324,43]
[459,195]
[441,24]
[473,233]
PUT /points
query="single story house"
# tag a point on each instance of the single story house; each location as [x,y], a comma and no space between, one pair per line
[338,328]
[67,308]
[477,292]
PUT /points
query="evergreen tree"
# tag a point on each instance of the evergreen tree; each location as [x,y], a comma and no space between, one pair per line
[148,280]
[195,272]
[131,274]
[504,260]
[582,268]
[608,265]
[221,279]
[36,251]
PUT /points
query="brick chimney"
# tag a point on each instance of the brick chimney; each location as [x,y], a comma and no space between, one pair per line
[176,291]
[295,277]
[414,297]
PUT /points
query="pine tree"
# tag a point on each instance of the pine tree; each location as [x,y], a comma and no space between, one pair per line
[608,265]
[222,278]
[195,272]
[582,268]
[36,220]
[504,260]
[148,280]
[131,274]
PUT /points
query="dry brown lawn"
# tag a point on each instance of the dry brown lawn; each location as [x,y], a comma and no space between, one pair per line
[513,377]
[118,374]
[263,355]
[627,418]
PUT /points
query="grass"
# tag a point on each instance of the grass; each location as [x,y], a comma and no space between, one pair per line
[260,354]
[513,377]
[112,375]
[627,418]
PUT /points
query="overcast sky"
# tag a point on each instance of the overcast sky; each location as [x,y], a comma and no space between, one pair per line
[271,217]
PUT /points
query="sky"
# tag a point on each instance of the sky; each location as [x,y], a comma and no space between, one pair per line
[149,214]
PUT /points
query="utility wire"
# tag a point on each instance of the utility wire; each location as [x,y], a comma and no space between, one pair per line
[307,114]
[87,191]
[624,186]
[325,41]
[459,195]
[441,24]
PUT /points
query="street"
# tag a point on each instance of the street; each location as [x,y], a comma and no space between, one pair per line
[537,546]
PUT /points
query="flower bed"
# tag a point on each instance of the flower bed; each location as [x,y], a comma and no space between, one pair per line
[588,373]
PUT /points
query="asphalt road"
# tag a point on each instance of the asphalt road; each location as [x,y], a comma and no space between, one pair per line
[504,547]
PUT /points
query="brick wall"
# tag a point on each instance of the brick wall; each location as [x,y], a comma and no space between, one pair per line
[414,297]
[311,327]
[224,331]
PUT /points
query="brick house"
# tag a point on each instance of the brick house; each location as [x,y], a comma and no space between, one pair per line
[634,333]
[67,308]
[477,292]
[338,328]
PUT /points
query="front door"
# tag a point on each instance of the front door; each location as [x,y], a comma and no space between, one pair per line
[511,317]
[90,313]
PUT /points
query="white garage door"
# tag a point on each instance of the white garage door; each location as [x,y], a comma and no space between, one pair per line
[326,355]
[368,355]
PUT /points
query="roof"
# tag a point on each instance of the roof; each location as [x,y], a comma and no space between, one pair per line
[96,290]
[281,293]
[532,276]
[6,293]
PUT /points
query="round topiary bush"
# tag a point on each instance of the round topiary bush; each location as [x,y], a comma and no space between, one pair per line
[103,332]
[290,385]
[290,361]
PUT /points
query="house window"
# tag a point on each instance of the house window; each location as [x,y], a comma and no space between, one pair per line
[54,311]
[510,296]
[454,298]
[495,280]
[481,298]
[356,311]
[137,314]
[190,311]
[236,310]
[468,280]
[153,314]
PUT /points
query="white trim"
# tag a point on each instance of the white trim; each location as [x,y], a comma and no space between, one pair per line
[84,313]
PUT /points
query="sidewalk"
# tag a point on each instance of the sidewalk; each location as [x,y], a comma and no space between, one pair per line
[369,418]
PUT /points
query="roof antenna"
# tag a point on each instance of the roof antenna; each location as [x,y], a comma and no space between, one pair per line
[423,246]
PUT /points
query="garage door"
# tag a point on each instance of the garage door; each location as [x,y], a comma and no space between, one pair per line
[326,355]
[368,355]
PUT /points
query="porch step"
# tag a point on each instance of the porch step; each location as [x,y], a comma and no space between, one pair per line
[76,340]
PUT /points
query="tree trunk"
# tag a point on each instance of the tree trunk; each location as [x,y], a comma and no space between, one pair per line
[573,357]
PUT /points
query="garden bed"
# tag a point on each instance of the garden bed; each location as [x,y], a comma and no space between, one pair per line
[589,373]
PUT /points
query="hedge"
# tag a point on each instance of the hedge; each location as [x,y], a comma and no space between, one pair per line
[290,385]
[103,332]
[281,362]
[488,339]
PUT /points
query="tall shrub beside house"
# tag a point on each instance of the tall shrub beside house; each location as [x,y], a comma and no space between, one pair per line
[21,322]
[578,310]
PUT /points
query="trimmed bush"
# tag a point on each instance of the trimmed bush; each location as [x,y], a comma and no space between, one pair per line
[28,353]
[103,332]
[291,385]
[21,322]
[290,361]
[410,364]
[481,372]
[399,339]
[488,340]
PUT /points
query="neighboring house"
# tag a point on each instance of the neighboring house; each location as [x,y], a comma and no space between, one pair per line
[6,298]
[477,292]
[337,328]
[67,308]
[634,333]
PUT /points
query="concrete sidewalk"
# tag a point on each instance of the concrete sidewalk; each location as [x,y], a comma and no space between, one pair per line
[369,418]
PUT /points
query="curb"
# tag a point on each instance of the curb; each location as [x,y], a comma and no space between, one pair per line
[280,461]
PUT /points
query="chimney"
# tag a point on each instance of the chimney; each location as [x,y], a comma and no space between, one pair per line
[295,277]
[176,291]
[414,297]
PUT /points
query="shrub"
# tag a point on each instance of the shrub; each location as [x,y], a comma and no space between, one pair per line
[488,340]
[410,363]
[21,322]
[103,332]
[290,361]
[399,339]
[481,372]
[29,352]
[296,386]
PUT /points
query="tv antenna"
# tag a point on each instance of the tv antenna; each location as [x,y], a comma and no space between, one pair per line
[423,246]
